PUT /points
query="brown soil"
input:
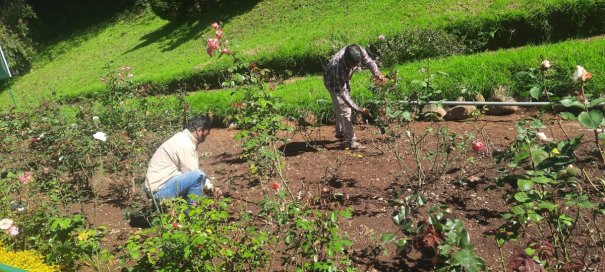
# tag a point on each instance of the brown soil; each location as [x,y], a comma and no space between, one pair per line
[317,164]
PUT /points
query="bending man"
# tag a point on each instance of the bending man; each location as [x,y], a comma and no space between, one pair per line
[337,75]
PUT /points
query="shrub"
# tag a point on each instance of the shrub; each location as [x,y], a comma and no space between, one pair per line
[15,36]
[175,10]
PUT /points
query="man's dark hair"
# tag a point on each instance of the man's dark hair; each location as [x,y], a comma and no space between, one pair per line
[197,121]
[353,54]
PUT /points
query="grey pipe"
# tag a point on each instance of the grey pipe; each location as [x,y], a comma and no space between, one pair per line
[485,103]
[472,103]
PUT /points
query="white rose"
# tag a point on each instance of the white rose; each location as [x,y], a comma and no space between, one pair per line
[542,136]
[5,223]
[581,75]
[100,136]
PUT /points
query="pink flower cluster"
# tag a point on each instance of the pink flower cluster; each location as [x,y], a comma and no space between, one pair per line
[25,178]
[215,44]
[9,227]
[120,76]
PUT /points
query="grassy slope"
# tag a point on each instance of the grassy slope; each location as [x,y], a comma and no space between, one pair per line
[159,51]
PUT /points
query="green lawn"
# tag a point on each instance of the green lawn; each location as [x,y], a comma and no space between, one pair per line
[161,52]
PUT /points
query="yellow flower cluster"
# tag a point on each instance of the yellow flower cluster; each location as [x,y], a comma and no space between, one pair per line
[25,260]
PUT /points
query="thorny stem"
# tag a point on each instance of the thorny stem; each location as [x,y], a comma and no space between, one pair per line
[596,133]
[501,257]
[588,227]
[278,170]
[417,159]
[586,177]
[594,220]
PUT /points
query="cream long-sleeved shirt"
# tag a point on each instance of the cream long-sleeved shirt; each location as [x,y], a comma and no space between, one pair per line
[177,156]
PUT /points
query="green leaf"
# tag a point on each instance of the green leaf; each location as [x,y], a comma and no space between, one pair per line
[346,242]
[541,180]
[345,214]
[407,116]
[518,210]
[573,171]
[388,237]
[507,216]
[586,204]
[595,102]
[535,93]
[568,116]
[521,156]
[464,239]
[591,119]
[572,103]
[534,216]
[547,205]
[537,156]
[407,223]
[421,199]
[401,215]
[521,197]
[525,184]
[401,242]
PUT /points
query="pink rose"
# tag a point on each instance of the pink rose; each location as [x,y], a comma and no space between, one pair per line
[226,51]
[25,178]
[215,25]
[12,231]
[219,33]
[212,43]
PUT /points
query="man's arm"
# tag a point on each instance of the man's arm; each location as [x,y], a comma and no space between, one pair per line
[368,62]
[188,158]
[345,94]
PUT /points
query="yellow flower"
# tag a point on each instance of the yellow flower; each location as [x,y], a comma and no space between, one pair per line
[554,152]
[83,236]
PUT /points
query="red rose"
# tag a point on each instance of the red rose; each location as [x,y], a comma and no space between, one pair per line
[478,146]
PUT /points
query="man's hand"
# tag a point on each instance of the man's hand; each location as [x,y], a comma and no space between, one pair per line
[364,111]
[217,192]
[379,79]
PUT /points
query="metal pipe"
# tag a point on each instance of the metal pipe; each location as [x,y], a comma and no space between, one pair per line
[485,103]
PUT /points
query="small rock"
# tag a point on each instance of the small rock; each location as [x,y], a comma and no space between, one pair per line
[459,113]
[308,119]
[433,112]
[501,95]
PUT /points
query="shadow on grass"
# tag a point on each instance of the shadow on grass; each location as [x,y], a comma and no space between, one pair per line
[174,34]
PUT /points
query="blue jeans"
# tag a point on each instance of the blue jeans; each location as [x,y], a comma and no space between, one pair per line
[190,183]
